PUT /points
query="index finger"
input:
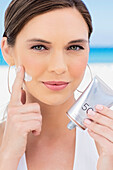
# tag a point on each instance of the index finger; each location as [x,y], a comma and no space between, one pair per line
[16,88]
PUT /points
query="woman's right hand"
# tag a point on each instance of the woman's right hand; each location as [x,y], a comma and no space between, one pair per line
[22,118]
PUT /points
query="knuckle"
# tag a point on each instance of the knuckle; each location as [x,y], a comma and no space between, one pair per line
[40,117]
[97,117]
[10,111]
[37,106]
[39,129]
[38,125]
[92,126]
[105,130]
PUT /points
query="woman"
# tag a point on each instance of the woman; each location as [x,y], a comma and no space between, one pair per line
[49,40]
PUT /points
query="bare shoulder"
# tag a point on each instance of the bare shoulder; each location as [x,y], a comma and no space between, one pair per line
[2,127]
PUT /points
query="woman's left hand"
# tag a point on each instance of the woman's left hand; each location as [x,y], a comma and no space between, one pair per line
[100,128]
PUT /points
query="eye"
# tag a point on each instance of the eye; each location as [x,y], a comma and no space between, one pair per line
[39,47]
[75,47]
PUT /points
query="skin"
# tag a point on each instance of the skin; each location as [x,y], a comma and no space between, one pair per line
[57,62]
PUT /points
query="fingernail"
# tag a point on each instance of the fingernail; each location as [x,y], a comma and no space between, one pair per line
[90,112]
[99,107]
[19,69]
[87,121]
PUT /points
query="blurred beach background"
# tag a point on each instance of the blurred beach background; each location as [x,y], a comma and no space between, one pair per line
[101,47]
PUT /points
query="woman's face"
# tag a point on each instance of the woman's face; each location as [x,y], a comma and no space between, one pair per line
[53,47]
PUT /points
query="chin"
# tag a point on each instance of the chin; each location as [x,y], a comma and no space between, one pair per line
[52,101]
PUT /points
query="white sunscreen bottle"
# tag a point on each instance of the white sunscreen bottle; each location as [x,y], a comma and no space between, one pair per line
[97,92]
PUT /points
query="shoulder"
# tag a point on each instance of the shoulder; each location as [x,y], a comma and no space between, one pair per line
[2,127]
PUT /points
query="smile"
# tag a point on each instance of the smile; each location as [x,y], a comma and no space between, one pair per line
[52,85]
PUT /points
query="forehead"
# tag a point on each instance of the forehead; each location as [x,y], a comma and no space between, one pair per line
[67,21]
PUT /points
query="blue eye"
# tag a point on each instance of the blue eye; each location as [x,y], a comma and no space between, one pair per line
[39,47]
[75,47]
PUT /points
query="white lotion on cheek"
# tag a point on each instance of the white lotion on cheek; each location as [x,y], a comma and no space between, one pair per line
[27,77]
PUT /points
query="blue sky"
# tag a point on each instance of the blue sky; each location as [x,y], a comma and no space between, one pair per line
[102,16]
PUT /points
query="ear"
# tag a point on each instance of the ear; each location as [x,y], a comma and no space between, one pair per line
[7,52]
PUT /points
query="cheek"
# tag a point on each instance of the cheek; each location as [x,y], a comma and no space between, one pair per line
[32,63]
[32,66]
[77,68]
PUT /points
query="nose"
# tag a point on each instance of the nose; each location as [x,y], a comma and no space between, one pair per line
[58,64]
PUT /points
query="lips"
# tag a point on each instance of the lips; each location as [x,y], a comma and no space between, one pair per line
[55,85]
[55,82]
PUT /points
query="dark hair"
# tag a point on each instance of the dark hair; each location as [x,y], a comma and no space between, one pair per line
[19,12]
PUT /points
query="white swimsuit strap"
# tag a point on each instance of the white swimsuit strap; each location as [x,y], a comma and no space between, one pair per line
[22,164]
[86,155]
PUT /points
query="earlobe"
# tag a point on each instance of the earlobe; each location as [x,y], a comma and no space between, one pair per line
[6,52]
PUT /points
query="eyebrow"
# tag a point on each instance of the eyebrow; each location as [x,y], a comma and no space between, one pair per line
[39,40]
[47,42]
[78,41]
